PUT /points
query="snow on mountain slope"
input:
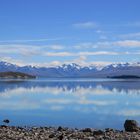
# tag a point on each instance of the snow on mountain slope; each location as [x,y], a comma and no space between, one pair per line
[75,70]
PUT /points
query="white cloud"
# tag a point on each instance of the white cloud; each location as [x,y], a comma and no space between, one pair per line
[130,35]
[100,63]
[99,53]
[52,63]
[99,31]
[127,43]
[28,50]
[133,24]
[108,44]
[86,25]
[81,60]
[56,50]
[103,37]
[48,50]
[85,45]
[13,61]
[31,40]
[119,43]
[56,47]
[25,50]
[62,54]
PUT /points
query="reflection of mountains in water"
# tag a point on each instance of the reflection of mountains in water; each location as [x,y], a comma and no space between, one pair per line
[73,86]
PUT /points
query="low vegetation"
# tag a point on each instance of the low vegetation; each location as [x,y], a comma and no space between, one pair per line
[17,75]
[124,77]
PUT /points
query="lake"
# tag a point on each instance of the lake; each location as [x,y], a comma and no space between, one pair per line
[76,103]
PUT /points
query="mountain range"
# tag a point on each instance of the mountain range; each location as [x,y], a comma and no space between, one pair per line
[75,71]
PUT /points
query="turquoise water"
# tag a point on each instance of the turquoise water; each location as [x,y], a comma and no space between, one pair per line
[97,103]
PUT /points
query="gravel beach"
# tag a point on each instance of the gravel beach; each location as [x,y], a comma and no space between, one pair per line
[61,133]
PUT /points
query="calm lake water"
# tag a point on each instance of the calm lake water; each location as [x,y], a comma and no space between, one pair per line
[97,103]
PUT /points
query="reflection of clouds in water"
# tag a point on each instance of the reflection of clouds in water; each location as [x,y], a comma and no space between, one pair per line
[18,105]
[75,88]
[119,112]
[25,98]
[129,112]
[85,109]
[98,103]
[56,108]
[79,93]
[137,103]
[79,97]
[101,107]
[55,91]
[92,91]
[80,101]
[37,90]
[102,99]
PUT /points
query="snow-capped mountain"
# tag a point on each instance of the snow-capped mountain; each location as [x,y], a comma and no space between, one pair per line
[74,70]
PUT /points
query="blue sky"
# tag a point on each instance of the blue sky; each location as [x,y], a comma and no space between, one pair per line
[53,32]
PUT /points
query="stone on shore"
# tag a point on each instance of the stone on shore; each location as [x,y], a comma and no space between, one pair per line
[61,133]
[131,126]
[6,121]
[87,130]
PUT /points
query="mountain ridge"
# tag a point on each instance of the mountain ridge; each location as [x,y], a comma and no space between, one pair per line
[75,70]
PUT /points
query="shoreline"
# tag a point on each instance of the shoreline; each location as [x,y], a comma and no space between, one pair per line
[131,132]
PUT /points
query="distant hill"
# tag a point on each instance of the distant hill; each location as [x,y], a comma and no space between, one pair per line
[75,71]
[125,77]
[17,75]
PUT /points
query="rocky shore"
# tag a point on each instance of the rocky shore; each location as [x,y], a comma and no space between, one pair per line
[131,132]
